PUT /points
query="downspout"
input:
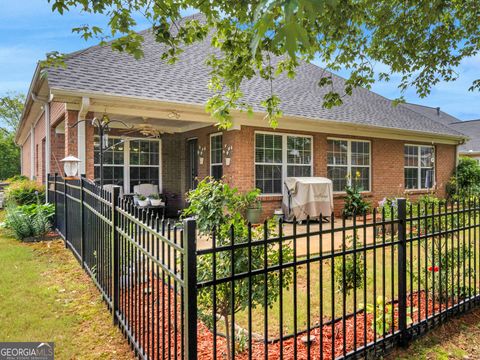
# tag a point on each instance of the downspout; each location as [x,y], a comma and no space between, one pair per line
[46,106]
[32,152]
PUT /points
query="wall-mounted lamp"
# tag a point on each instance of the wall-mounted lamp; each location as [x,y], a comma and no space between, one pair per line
[227,151]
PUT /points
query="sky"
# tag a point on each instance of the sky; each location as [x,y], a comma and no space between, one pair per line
[29,30]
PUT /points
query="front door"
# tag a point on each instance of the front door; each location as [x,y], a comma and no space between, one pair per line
[192,171]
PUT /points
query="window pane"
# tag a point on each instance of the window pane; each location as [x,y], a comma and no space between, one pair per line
[111,174]
[361,178]
[113,153]
[217,172]
[299,150]
[216,149]
[426,178]
[411,178]
[338,175]
[426,156]
[269,178]
[337,152]
[299,171]
[360,153]
[143,175]
[268,148]
[411,155]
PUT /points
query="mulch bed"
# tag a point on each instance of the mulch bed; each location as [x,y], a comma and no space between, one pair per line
[169,341]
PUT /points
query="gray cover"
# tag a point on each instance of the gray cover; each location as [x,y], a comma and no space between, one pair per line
[309,196]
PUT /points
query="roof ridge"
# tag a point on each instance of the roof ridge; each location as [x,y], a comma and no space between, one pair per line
[466,121]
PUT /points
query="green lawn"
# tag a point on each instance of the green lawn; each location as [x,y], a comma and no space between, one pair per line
[46,296]
[457,339]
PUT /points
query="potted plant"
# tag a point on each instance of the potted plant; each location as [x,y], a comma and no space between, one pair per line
[142,200]
[253,206]
[155,199]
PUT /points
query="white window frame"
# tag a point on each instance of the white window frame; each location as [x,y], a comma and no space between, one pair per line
[221,152]
[284,164]
[126,161]
[419,167]
[349,162]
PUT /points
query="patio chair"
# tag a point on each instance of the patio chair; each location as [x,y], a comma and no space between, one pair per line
[145,189]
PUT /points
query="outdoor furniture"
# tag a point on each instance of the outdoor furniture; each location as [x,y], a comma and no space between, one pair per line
[307,197]
[145,189]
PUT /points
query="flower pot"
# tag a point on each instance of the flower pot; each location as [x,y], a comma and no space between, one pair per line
[253,215]
[143,202]
[200,159]
[156,202]
[227,161]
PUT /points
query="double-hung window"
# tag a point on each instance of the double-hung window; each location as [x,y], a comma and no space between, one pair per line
[216,159]
[348,163]
[419,166]
[113,160]
[278,156]
[128,162]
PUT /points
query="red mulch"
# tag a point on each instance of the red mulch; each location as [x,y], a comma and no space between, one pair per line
[166,326]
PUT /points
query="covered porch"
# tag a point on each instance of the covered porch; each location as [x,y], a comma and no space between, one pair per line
[144,144]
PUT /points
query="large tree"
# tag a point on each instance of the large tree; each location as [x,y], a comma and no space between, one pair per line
[423,41]
[11,107]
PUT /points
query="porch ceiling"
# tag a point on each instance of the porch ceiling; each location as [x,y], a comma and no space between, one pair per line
[163,125]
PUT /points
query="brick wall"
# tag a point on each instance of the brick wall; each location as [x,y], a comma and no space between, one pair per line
[387,161]
[26,157]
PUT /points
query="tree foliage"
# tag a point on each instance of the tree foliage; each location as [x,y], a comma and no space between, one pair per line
[11,107]
[422,41]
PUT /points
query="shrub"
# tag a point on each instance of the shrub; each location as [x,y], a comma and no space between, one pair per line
[466,181]
[16,178]
[354,268]
[29,223]
[218,206]
[34,209]
[25,192]
[354,202]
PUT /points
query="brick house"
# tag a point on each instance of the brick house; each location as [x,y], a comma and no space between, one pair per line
[394,150]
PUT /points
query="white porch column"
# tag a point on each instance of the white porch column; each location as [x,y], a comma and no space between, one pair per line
[82,134]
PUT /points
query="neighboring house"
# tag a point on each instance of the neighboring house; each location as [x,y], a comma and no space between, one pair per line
[470,128]
[395,151]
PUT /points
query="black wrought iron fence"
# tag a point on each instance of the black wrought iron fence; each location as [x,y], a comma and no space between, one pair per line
[319,290]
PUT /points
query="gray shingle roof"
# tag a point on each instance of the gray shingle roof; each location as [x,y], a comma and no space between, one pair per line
[470,128]
[433,113]
[100,69]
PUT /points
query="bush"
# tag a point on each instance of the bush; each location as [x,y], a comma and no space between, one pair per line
[218,206]
[27,222]
[354,203]
[466,181]
[34,209]
[16,178]
[351,276]
[25,192]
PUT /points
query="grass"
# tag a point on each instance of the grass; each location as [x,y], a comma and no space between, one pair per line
[46,296]
[456,339]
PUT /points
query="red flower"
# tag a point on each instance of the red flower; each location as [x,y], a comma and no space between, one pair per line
[433,268]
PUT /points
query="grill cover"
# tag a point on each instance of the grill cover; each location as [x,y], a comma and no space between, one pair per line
[307,196]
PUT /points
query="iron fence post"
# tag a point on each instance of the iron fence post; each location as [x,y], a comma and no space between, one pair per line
[82,225]
[190,281]
[402,271]
[65,212]
[115,256]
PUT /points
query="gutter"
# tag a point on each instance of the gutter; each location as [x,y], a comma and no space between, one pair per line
[46,107]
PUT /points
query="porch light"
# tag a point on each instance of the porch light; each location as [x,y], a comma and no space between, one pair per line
[70,165]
